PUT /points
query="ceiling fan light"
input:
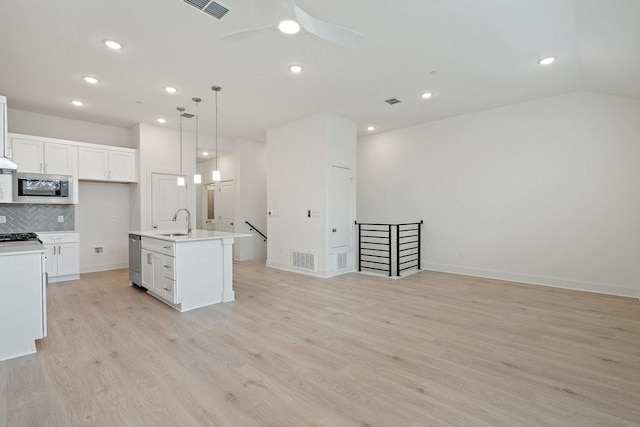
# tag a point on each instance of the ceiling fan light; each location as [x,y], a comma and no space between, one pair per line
[215,176]
[289,26]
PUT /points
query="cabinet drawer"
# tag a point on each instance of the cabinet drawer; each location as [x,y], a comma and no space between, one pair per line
[54,239]
[157,245]
[168,264]
[169,288]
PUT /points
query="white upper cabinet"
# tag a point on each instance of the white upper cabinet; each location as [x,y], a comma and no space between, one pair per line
[33,155]
[104,164]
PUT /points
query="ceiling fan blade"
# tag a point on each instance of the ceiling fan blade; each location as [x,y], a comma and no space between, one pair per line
[327,31]
[243,35]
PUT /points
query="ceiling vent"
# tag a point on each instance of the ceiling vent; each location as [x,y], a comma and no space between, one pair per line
[392,101]
[209,7]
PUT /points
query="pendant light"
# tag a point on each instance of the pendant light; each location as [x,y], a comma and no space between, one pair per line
[197,178]
[181,180]
[215,175]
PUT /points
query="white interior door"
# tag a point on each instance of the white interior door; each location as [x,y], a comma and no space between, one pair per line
[225,206]
[166,198]
[341,215]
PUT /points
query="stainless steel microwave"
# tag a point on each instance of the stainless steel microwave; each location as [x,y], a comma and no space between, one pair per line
[38,188]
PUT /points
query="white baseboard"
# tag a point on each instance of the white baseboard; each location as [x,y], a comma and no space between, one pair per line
[102,267]
[286,267]
[599,288]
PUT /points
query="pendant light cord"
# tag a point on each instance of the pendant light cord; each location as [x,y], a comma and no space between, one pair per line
[180,110]
[217,130]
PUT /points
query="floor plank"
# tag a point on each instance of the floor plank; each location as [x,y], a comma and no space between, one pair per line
[357,350]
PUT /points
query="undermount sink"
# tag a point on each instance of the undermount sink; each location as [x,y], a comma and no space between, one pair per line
[173,234]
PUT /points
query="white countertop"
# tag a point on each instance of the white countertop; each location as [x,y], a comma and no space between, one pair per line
[194,236]
[13,248]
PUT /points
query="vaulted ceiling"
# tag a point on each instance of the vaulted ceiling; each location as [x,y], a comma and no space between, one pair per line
[471,54]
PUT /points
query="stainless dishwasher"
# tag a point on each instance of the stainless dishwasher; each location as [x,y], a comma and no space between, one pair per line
[135,259]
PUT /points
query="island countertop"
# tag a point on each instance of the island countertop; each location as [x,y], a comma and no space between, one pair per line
[178,236]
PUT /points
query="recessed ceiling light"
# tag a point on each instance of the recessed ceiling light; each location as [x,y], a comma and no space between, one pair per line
[546,61]
[170,89]
[289,27]
[426,95]
[112,44]
[204,153]
[371,128]
[295,68]
[161,120]
[77,102]
[90,79]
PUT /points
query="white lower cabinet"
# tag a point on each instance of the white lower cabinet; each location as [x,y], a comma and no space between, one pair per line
[63,255]
[158,269]
[190,273]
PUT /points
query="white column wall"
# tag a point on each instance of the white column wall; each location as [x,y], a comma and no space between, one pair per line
[542,192]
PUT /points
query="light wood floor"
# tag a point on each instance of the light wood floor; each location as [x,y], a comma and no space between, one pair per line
[428,350]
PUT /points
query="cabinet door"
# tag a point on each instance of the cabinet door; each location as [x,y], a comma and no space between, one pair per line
[122,166]
[147,268]
[93,164]
[51,264]
[60,159]
[152,271]
[68,259]
[28,155]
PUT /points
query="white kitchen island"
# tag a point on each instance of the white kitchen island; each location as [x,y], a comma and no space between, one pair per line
[23,305]
[188,271]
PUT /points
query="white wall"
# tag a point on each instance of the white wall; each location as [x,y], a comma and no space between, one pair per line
[29,123]
[102,219]
[247,165]
[542,192]
[160,153]
[299,157]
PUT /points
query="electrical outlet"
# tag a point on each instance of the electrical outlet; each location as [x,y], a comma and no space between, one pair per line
[60,218]
[3,219]
[98,250]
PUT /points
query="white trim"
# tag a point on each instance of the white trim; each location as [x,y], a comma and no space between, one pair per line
[93,268]
[599,288]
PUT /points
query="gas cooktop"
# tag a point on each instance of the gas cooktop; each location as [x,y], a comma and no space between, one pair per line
[19,237]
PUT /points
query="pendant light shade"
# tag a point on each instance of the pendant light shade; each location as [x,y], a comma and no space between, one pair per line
[197,178]
[181,180]
[216,175]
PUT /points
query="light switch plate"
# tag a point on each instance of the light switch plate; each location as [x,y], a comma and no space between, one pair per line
[3,219]
[60,218]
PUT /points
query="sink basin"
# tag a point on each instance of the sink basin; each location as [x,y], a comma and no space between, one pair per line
[173,234]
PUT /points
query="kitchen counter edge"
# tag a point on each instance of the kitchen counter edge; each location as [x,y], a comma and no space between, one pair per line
[196,235]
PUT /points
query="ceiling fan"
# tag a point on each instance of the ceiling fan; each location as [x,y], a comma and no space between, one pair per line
[290,18]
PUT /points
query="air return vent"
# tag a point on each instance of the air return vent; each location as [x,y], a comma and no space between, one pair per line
[343,259]
[209,7]
[392,101]
[303,260]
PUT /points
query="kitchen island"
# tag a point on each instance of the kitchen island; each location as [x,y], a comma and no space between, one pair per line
[188,271]
[23,306]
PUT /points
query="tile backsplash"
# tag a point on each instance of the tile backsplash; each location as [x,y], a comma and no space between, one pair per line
[24,217]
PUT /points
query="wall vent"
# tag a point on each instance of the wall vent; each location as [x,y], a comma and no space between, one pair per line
[343,260]
[303,260]
[211,8]
[392,101]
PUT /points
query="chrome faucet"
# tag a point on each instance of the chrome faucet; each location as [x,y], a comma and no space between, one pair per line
[175,218]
